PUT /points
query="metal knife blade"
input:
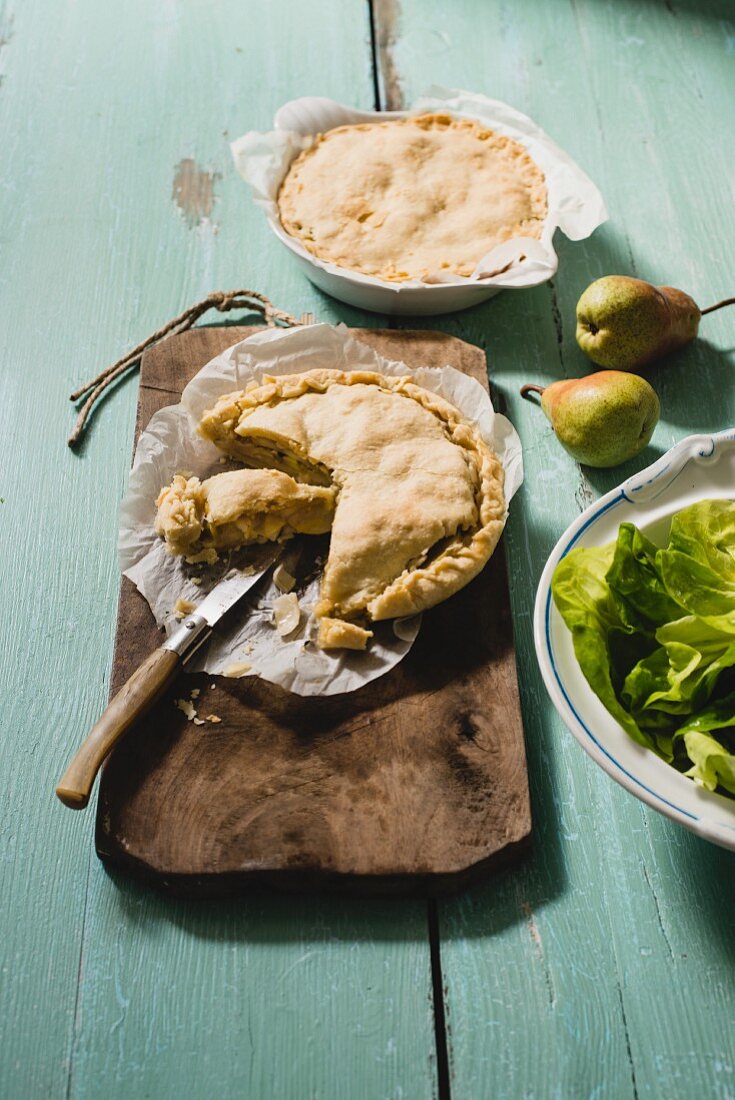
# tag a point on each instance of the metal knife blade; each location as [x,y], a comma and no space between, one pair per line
[235,584]
[197,626]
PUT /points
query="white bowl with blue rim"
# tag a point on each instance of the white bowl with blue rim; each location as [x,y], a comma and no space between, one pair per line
[700,467]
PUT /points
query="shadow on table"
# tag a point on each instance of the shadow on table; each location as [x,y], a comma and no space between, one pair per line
[264,916]
[603,480]
[706,9]
[709,875]
[686,382]
[495,904]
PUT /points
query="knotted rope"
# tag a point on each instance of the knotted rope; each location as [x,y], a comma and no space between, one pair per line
[222,300]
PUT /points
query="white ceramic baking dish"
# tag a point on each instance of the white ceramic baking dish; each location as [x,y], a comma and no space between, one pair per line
[575,204]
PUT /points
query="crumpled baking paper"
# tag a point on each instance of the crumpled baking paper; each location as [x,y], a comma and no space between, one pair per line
[170,445]
[575,205]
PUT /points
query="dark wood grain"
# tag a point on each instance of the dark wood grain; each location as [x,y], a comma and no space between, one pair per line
[415,783]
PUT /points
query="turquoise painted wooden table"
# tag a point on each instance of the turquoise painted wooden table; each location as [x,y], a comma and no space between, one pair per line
[604,964]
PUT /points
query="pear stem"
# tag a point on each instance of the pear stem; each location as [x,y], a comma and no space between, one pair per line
[719,305]
[531,387]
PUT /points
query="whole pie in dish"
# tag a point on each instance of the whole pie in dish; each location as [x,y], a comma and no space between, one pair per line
[412,198]
[419,503]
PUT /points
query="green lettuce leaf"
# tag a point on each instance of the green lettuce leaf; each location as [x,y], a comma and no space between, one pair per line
[636,585]
[582,597]
[698,566]
[680,675]
[713,765]
[706,533]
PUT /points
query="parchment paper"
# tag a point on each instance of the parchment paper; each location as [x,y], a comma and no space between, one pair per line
[575,205]
[170,445]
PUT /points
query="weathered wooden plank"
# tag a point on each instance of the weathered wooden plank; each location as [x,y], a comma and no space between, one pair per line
[576,976]
[267,997]
[668,188]
[119,207]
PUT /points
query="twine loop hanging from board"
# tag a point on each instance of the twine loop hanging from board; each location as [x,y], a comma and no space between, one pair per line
[221,300]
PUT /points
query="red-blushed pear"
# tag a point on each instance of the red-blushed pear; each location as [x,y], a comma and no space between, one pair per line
[625,323]
[603,419]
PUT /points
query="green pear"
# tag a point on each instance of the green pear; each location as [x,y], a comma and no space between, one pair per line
[603,419]
[625,323]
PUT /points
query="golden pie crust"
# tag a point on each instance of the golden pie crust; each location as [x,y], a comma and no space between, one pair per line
[412,198]
[238,507]
[419,494]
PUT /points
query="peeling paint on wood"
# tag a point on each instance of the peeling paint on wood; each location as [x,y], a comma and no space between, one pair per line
[634,993]
[104,982]
[99,980]
[193,191]
[6,33]
[386,16]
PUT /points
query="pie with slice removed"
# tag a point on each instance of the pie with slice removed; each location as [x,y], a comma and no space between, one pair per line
[418,494]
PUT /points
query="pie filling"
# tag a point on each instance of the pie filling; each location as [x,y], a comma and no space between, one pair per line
[277,453]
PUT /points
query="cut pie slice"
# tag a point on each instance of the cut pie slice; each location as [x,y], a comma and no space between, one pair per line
[198,518]
[419,506]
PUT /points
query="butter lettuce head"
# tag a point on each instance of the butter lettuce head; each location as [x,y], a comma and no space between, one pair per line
[654,633]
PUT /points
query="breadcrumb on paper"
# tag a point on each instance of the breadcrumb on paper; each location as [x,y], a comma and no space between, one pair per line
[239,668]
[208,557]
[183,607]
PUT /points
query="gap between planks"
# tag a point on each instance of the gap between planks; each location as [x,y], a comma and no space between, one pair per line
[444,1091]
[383,16]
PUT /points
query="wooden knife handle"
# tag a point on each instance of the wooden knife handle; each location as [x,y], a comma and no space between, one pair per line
[133,698]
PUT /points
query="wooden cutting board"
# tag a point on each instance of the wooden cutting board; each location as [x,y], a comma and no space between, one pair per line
[416,783]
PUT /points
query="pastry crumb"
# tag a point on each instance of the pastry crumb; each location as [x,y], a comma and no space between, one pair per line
[186,707]
[207,557]
[183,607]
[240,668]
[196,580]
[338,634]
[212,718]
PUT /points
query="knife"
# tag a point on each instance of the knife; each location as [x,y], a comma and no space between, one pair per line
[150,681]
